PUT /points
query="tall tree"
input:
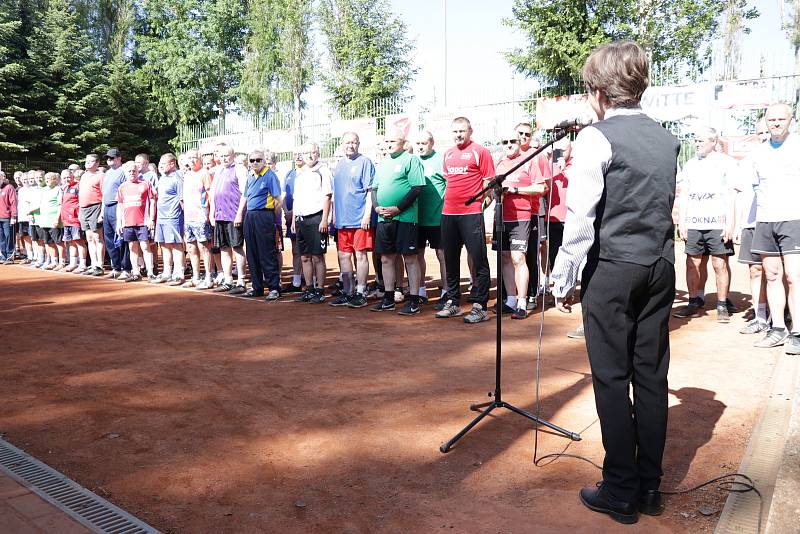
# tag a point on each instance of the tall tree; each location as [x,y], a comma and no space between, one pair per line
[736,12]
[68,85]
[294,71]
[12,69]
[257,90]
[561,33]
[368,51]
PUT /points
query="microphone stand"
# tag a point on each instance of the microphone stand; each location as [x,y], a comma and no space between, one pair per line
[496,185]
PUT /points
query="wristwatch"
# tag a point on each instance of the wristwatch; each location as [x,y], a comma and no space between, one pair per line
[516,190]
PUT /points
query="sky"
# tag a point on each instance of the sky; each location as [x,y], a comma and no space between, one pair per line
[477,38]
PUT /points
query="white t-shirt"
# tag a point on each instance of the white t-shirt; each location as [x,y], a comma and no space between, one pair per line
[778,173]
[311,186]
[709,184]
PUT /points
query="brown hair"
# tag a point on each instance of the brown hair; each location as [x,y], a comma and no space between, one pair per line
[621,70]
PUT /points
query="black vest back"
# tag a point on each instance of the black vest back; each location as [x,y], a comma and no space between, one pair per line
[634,216]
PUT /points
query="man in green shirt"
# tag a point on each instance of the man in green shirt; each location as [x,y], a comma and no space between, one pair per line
[399,179]
[431,200]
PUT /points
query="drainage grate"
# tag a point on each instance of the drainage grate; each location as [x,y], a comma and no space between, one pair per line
[743,512]
[81,504]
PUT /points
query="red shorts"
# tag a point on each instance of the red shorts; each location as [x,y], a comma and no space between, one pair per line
[355,239]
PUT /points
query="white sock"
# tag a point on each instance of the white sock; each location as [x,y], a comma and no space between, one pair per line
[511,301]
[360,289]
[521,300]
[761,313]
[777,321]
[422,292]
[297,279]
[82,263]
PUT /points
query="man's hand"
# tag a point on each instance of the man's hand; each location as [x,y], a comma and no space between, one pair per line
[237,221]
[211,220]
[727,234]
[390,212]
[323,227]
[365,221]
[737,236]
[684,233]
[100,218]
[13,220]
[564,304]
[151,225]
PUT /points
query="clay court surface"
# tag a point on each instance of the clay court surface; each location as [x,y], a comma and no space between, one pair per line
[205,413]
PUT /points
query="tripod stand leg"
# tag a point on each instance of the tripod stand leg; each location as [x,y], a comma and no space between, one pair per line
[571,435]
[446,446]
[481,406]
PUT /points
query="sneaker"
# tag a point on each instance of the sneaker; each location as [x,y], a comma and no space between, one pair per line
[189,284]
[723,316]
[175,281]
[87,271]
[774,338]
[449,309]
[754,327]
[336,288]
[792,344]
[531,304]
[305,296]
[476,315]
[519,313]
[152,278]
[411,307]
[507,310]
[70,268]
[273,295]
[59,267]
[440,304]
[157,279]
[291,288]
[358,300]
[205,285]
[132,278]
[341,300]
[386,304]
[49,267]
[113,274]
[220,279]
[577,333]
[318,297]
[97,271]
[691,309]
[8,261]
[223,288]
[237,290]
[251,293]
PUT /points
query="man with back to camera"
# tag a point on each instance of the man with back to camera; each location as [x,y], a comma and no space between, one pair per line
[777,234]
[619,217]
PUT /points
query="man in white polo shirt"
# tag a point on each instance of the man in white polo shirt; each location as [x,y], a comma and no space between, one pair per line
[313,188]
[777,235]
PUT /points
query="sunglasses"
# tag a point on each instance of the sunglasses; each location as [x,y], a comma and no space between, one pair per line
[257,160]
[524,134]
[509,142]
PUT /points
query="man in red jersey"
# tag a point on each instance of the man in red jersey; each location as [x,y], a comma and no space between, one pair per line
[73,235]
[466,165]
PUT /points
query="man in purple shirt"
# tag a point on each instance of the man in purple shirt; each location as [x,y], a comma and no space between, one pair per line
[227,206]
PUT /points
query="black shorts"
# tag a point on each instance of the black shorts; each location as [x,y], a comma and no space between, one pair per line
[707,243]
[227,235]
[745,254]
[776,238]
[310,241]
[51,236]
[395,237]
[23,228]
[37,233]
[88,217]
[515,236]
[429,235]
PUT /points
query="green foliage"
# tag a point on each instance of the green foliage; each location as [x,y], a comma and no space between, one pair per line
[368,51]
[560,34]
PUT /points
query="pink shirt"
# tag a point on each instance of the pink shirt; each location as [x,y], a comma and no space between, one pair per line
[517,207]
[464,171]
[91,189]
[133,198]
[558,209]
[196,187]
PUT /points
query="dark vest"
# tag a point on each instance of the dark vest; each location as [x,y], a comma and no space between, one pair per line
[634,216]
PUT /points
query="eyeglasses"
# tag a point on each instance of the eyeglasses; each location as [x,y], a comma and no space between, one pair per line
[524,134]
[509,142]
[256,160]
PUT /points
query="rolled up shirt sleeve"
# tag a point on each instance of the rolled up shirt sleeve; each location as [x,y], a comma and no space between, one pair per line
[592,155]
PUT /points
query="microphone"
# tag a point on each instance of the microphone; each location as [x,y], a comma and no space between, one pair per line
[575,122]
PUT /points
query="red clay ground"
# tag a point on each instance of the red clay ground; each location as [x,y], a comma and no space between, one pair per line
[202,413]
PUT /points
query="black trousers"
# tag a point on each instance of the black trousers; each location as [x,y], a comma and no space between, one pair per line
[259,235]
[555,237]
[532,257]
[469,231]
[626,320]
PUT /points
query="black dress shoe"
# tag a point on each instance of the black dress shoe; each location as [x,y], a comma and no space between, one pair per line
[650,502]
[598,500]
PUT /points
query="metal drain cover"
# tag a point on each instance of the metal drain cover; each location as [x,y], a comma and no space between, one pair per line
[88,509]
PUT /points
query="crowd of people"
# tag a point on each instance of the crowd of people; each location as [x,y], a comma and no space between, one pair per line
[230,215]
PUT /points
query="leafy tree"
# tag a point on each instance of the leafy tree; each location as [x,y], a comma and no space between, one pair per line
[368,51]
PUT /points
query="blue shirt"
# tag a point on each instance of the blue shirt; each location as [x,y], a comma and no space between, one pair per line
[288,189]
[111,182]
[170,194]
[262,190]
[150,178]
[352,180]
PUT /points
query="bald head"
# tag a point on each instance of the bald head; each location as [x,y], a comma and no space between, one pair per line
[779,118]
[423,143]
